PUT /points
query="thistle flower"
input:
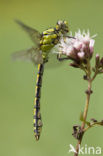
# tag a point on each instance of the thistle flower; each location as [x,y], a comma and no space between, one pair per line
[79,47]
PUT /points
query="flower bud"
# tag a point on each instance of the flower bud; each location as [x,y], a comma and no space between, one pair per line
[97,59]
[101,61]
[81,55]
[75,65]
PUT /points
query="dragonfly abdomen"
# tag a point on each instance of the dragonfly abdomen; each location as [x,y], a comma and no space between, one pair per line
[37,114]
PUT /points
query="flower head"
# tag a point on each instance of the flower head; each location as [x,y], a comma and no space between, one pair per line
[80,47]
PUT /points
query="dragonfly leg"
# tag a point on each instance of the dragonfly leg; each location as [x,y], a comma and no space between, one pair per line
[59,58]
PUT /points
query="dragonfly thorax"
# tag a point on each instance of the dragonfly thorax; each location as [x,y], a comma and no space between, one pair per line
[48,40]
[50,37]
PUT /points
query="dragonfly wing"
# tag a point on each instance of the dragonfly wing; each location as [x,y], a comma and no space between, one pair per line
[33,33]
[52,60]
[31,54]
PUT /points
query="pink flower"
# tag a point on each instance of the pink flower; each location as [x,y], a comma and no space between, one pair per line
[80,46]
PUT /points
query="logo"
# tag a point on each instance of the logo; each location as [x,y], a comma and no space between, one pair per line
[86,150]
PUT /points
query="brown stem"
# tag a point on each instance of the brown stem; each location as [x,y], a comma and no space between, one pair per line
[94,75]
[88,93]
[92,125]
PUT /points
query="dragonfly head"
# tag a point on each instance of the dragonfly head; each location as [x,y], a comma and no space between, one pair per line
[62,26]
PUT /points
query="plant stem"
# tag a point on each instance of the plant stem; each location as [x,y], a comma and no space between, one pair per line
[88,93]
[92,125]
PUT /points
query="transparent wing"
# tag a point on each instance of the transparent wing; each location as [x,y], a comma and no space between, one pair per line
[33,33]
[52,59]
[31,54]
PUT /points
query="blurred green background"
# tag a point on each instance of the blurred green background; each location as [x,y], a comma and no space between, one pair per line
[63,88]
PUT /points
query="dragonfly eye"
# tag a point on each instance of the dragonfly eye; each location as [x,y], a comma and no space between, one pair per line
[66,23]
[62,26]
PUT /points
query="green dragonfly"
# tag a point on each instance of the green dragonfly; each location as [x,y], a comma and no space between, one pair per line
[39,54]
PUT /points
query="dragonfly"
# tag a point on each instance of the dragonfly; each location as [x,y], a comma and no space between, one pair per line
[39,54]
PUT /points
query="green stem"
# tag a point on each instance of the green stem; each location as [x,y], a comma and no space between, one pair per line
[92,125]
[88,93]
